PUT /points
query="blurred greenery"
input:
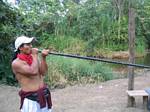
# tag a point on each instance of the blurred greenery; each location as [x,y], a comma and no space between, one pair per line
[64,71]
[9,28]
[89,28]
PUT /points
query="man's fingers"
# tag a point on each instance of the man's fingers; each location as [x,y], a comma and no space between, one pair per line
[34,50]
[45,52]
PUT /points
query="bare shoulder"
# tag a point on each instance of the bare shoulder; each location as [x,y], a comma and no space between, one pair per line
[16,63]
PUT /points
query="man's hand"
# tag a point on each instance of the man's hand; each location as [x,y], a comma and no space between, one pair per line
[45,52]
[34,51]
[43,64]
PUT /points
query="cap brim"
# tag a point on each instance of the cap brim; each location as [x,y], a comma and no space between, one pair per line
[29,40]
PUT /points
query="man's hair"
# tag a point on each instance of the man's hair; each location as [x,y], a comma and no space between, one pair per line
[16,53]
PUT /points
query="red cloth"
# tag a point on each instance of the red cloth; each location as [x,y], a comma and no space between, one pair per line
[41,97]
[27,58]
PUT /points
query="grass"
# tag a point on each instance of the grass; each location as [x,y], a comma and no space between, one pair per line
[63,43]
[140,47]
[63,71]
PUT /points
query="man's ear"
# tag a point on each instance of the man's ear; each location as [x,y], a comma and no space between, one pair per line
[21,48]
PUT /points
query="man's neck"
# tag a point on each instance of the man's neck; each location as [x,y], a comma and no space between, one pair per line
[23,53]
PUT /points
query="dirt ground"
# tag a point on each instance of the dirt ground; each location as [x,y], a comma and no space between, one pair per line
[109,96]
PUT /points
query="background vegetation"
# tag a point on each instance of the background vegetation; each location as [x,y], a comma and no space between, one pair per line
[85,27]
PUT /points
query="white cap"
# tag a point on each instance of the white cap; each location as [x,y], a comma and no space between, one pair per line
[22,40]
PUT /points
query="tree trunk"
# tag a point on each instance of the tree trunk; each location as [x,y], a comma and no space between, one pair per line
[131,34]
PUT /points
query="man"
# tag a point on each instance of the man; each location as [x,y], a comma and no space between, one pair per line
[29,71]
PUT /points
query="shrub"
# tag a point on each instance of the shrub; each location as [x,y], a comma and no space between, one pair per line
[64,70]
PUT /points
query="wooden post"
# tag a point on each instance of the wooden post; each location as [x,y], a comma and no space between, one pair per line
[131,35]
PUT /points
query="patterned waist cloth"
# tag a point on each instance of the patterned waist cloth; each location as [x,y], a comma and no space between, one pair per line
[42,96]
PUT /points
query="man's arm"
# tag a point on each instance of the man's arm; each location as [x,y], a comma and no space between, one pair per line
[43,64]
[24,68]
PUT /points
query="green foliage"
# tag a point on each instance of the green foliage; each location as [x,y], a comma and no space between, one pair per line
[102,24]
[66,44]
[143,23]
[59,43]
[89,27]
[8,29]
[140,46]
[67,71]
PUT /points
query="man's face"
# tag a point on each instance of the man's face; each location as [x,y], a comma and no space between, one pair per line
[26,48]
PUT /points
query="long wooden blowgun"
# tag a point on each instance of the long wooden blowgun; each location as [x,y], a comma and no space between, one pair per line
[98,59]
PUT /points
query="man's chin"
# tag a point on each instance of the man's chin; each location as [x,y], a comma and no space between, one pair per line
[28,53]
